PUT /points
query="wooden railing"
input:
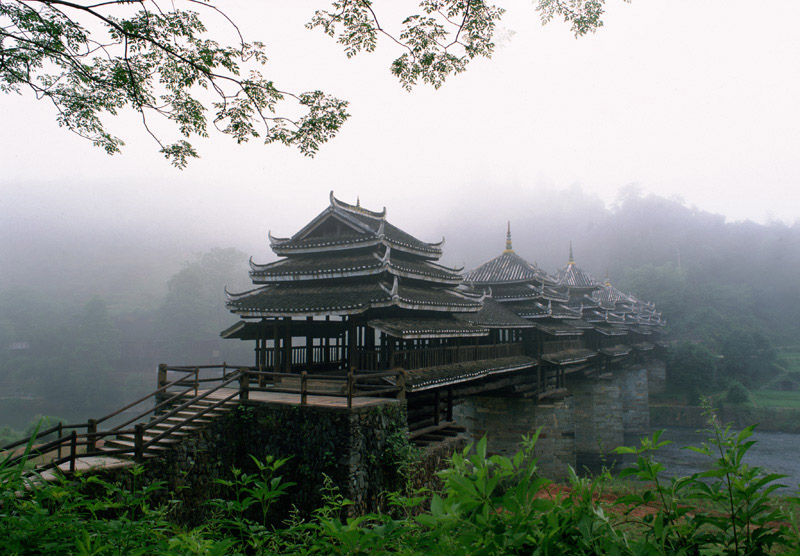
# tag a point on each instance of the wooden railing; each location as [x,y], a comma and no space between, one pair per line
[383,359]
[432,357]
[179,388]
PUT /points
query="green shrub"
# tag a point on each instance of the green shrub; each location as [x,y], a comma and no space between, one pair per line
[737,393]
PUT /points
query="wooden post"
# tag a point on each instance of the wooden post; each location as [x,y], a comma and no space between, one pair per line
[162,375]
[351,383]
[244,386]
[60,436]
[436,406]
[138,443]
[287,345]
[73,450]
[91,438]
[303,388]
[351,343]
[196,379]
[391,351]
[401,385]
[326,356]
[309,343]
[276,352]
[449,404]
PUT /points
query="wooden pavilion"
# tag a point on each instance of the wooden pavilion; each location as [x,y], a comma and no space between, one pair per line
[353,293]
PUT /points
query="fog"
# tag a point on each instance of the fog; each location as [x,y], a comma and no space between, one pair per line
[686,108]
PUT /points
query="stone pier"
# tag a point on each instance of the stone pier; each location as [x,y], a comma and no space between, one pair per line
[505,420]
[657,376]
[635,401]
[598,419]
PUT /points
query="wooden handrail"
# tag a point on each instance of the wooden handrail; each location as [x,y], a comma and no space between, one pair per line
[356,384]
[137,402]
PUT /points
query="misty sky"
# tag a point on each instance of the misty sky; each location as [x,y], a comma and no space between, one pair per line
[695,98]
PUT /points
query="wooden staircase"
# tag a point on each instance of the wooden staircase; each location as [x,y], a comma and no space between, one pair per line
[165,434]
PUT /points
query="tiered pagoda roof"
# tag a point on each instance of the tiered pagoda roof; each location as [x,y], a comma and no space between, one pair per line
[621,307]
[565,306]
[348,261]
[520,286]
[574,279]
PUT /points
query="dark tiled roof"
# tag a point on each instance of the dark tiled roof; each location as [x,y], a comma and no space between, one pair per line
[556,329]
[574,277]
[614,318]
[435,299]
[507,268]
[606,330]
[529,309]
[594,316]
[644,346]
[552,294]
[296,299]
[563,312]
[427,328]
[569,356]
[320,266]
[580,324]
[349,264]
[423,270]
[433,377]
[494,315]
[608,296]
[515,292]
[367,228]
[615,351]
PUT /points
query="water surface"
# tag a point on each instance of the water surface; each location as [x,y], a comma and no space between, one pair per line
[775,452]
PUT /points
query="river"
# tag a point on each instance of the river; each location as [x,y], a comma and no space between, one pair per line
[775,452]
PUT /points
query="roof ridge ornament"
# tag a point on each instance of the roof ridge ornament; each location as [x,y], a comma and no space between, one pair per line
[439,245]
[509,249]
[357,208]
[395,289]
[571,258]
[385,259]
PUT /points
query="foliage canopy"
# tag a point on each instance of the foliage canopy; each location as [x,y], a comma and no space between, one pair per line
[95,58]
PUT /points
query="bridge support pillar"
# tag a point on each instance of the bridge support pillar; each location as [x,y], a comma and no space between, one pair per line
[598,420]
[656,376]
[504,420]
[635,401]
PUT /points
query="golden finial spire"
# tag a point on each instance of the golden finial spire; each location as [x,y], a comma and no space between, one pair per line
[571,258]
[607,281]
[508,239]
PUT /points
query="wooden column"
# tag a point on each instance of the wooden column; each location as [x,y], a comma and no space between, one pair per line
[276,351]
[287,345]
[352,360]
[449,404]
[436,406]
[326,357]
[309,343]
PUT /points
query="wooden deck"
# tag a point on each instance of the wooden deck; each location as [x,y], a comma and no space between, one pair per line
[284,398]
